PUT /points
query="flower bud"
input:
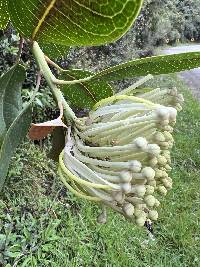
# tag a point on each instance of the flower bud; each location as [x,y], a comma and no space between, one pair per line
[167,156]
[167,183]
[159,137]
[139,213]
[168,168]
[150,200]
[168,136]
[126,188]
[148,173]
[158,173]
[172,113]
[152,183]
[162,160]
[140,221]
[141,143]
[128,209]
[157,203]
[165,145]
[178,107]
[164,123]
[149,190]
[118,196]
[135,166]
[125,176]
[153,162]
[139,190]
[139,181]
[153,149]
[162,113]
[162,190]
[140,206]
[169,129]
[153,215]
[170,179]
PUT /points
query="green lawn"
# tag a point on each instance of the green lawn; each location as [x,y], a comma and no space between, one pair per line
[41,224]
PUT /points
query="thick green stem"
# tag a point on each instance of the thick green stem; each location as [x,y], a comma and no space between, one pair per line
[48,75]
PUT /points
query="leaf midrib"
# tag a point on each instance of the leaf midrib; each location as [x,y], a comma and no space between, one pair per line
[85,87]
[43,17]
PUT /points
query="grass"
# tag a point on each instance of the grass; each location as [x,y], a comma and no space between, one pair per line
[41,224]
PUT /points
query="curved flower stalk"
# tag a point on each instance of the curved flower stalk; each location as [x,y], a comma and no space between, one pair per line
[119,156]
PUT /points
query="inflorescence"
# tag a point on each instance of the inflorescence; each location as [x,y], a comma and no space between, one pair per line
[119,155]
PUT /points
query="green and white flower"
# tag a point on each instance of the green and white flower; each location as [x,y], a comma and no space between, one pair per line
[119,155]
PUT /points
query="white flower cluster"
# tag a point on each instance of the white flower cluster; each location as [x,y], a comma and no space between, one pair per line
[120,154]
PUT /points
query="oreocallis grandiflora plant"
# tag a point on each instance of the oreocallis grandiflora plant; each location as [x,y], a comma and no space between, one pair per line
[119,154]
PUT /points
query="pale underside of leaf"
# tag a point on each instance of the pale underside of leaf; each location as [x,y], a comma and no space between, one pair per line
[74,22]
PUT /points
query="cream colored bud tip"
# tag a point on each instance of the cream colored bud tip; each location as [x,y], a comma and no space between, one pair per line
[149,189]
[153,149]
[148,173]
[157,203]
[159,137]
[128,209]
[126,176]
[153,215]
[141,143]
[172,113]
[140,221]
[140,190]
[135,166]
[162,190]
[126,188]
[118,196]
[150,200]
[162,113]
[153,162]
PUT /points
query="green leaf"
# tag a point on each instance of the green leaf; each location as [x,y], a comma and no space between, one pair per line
[13,138]
[4,16]
[84,95]
[10,97]
[154,65]
[14,135]
[54,51]
[58,143]
[72,23]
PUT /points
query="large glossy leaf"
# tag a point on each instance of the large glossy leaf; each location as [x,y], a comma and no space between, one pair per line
[4,16]
[10,97]
[12,139]
[14,120]
[73,22]
[54,51]
[154,65]
[84,95]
